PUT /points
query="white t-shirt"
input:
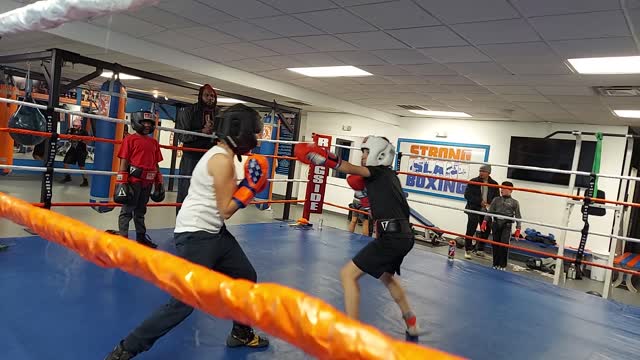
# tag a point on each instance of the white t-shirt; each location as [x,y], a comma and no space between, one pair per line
[199,211]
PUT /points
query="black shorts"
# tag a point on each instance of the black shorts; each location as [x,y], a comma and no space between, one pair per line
[357,214]
[75,156]
[384,254]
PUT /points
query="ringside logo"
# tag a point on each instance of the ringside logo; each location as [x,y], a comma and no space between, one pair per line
[317,182]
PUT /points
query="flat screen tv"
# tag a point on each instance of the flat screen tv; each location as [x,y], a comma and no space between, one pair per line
[549,153]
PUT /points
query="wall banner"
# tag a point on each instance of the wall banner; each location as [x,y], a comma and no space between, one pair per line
[439,159]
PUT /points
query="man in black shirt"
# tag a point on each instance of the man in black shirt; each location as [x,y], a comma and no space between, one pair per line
[199,117]
[77,153]
[478,198]
[382,257]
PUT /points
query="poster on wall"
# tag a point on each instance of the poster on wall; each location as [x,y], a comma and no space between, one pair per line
[284,150]
[441,159]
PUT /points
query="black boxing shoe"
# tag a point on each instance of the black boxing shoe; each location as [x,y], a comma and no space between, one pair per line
[145,240]
[119,353]
[245,336]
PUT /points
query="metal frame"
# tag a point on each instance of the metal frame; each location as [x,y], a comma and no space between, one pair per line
[57,57]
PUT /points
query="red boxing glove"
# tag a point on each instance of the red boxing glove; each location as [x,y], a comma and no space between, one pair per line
[256,169]
[483,226]
[517,234]
[314,154]
[356,182]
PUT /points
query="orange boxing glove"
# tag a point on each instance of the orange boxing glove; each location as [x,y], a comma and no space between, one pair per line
[256,169]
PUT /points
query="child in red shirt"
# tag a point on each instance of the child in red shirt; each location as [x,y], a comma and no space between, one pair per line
[139,171]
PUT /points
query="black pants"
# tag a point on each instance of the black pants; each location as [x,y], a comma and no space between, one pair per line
[472,224]
[220,252]
[187,164]
[136,208]
[502,234]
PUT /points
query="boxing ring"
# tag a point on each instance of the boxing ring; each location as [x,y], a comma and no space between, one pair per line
[74,291]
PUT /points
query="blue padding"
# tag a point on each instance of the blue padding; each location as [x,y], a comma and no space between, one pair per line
[57,305]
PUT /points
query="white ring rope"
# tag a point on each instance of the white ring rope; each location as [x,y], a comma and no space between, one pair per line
[533,168]
[111,173]
[114,120]
[525,221]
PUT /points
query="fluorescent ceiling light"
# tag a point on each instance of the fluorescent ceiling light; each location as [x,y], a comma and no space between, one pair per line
[225,100]
[627,113]
[441,113]
[330,71]
[109,74]
[607,65]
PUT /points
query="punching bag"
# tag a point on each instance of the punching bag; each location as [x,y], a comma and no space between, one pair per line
[28,118]
[267,148]
[112,100]
[7,91]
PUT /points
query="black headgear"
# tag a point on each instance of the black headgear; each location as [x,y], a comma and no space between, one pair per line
[238,127]
[138,117]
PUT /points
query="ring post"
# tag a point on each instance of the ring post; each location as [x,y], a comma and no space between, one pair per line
[6,111]
[567,211]
[613,244]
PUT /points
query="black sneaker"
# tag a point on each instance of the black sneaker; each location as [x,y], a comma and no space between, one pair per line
[145,240]
[119,353]
[65,179]
[252,340]
[85,182]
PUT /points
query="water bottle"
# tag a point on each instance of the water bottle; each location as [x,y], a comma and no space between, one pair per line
[452,249]
[571,272]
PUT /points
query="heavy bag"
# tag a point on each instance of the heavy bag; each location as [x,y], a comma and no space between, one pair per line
[28,118]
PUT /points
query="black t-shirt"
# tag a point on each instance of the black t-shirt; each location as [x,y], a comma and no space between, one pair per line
[77,144]
[385,194]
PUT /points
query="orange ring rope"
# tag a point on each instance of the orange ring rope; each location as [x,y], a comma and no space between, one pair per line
[300,319]
[151,204]
[347,208]
[531,251]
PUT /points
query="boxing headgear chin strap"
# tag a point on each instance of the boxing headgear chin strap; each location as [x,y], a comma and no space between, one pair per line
[381,152]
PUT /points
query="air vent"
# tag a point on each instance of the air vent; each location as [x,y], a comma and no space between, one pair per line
[412,107]
[618,91]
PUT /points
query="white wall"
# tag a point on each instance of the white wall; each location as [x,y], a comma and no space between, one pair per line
[546,209]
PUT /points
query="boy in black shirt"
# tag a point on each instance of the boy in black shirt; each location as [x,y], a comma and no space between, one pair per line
[382,257]
[77,153]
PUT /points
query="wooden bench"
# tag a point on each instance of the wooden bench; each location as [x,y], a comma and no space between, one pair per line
[629,261]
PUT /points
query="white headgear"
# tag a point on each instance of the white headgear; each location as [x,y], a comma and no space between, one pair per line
[381,152]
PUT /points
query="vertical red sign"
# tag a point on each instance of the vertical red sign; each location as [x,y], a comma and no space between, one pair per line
[317,180]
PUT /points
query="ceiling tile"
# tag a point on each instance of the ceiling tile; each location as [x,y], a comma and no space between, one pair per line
[455,54]
[318,59]
[551,80]
[358,2]
[295,6]
[283,62]
[408,79]
[195,11]
[208,35]
[613,46]
[245,30]
[531,52]
[565,27]
[479,68]
[324,43]
[459,11]
[571,99]
[429,69]
[309,82]
[248,50]
[424,37]
[488,79]
[565,90]
[281,74]
[357,58]
[384,70]
[335,21]
[242,9]
[373,80]
[526,98]
[467,89]
[284,46]
[540,68]
[540,107]
[449,80]
[214,53]
[531,8]
[168,20]
[395,15]
[496,32]
[372,40]
[513,90]
[175,40]
[252,65]
[127,24]
[585,108]
[286,26]
[402,56]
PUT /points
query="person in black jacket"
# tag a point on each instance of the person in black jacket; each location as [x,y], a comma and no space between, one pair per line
[478,198]
[199,117]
